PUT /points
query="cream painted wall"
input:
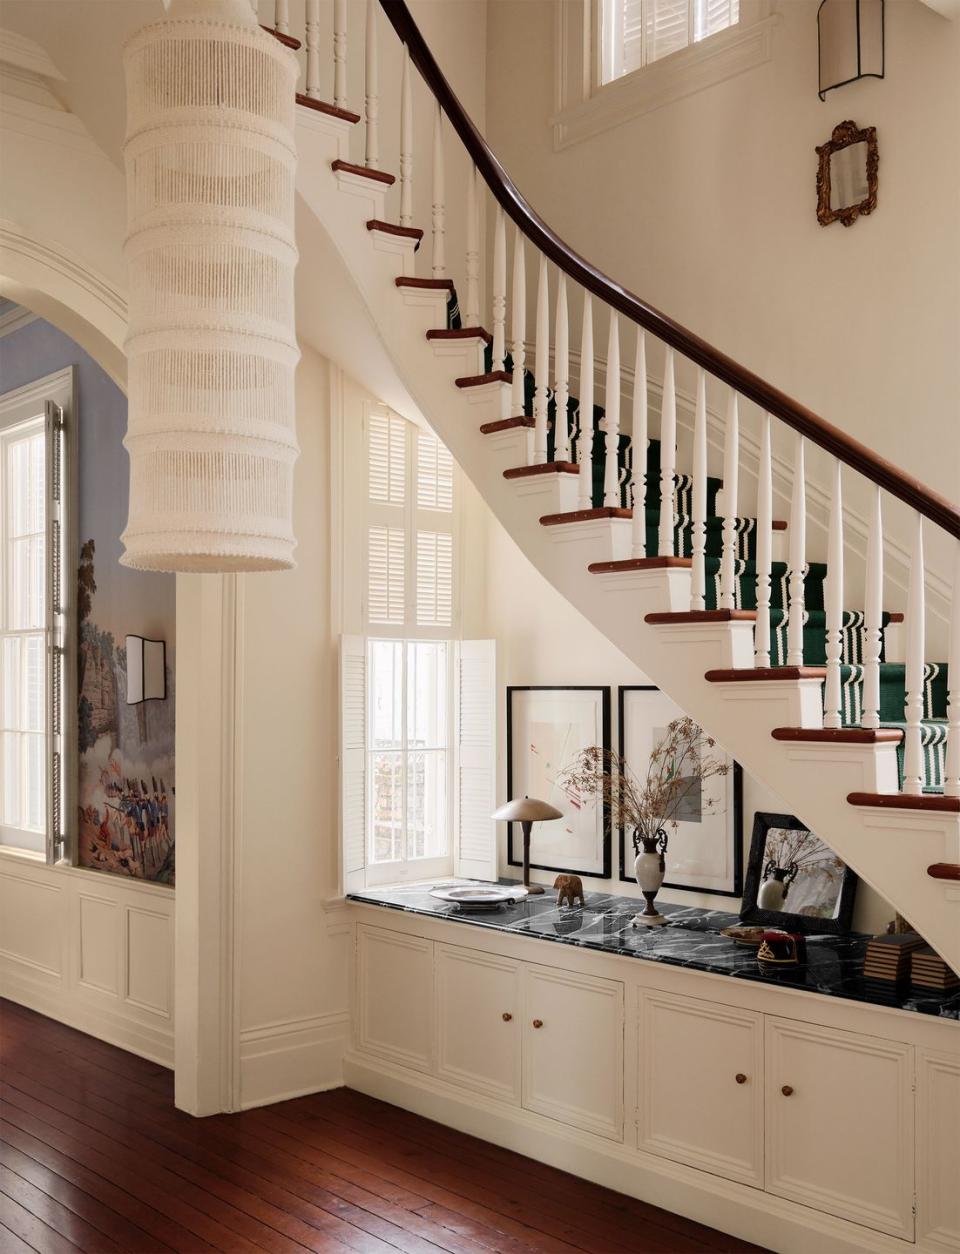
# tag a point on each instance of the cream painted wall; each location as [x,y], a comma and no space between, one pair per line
[542,639]
[708,212]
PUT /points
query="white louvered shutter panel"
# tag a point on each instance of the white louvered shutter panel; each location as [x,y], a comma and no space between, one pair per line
[475,848]
[353,760]
[666,27]
[386,458]
[629,36]
[434,579]
[712,16]
[434,474]
[386,585]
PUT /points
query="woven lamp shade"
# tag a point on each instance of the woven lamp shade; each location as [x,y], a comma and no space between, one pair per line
[211,346]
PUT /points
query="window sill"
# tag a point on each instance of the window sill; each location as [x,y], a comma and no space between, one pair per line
[743,47]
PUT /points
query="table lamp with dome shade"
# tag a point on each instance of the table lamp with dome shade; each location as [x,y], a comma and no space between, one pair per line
[526,811]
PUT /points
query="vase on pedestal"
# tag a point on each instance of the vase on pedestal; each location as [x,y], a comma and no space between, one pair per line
[649,868]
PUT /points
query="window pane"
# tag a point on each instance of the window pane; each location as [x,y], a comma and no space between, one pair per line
[427,694]
[386,771]
[35,800]
[12,771]
[25,485]
[386,694]
[426,804]
[34,684]
[712,16]
[10,651]
[666,27]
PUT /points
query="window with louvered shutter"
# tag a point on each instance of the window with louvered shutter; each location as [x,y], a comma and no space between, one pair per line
[434,579]
[386,582]
[636,33]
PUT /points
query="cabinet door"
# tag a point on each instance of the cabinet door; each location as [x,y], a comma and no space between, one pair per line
[938,1150]
[573,1049]
[395,997]
[839,1127]
[478,1022]
[700,1094]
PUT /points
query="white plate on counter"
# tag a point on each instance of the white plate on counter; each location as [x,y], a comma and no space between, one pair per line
[479,894]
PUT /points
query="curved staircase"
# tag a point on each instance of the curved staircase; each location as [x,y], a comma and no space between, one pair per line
[835,707]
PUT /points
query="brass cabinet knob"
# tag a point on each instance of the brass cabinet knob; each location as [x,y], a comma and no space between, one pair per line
[740,1078]
[787,1090]
[506,1016]
[538,1023]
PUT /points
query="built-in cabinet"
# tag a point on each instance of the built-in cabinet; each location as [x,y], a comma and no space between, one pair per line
[848,1124]
[839,1126]
[700,1092]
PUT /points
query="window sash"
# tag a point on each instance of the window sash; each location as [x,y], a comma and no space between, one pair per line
[638,33]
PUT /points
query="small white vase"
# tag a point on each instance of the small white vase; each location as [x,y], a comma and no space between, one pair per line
[772,894]
[648,867]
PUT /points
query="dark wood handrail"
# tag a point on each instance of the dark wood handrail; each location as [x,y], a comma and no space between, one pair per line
[816,429]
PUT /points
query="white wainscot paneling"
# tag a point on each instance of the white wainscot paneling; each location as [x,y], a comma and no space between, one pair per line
[938,1160]
[31,922]
[92,950]
[395,997]
[99,953]
[149,945]
[700,1094]
[573,1049]
[478,1022]
[839,1124]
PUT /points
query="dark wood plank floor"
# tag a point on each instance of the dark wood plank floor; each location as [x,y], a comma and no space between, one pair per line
[93,1156]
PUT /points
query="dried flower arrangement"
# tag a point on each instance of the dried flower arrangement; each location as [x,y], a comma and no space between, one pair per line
[679,765]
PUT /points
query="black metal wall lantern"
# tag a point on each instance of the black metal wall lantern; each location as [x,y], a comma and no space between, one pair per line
[850,42]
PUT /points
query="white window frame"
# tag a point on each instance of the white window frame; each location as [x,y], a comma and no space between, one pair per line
[471,672]
[585,105]
[52,401]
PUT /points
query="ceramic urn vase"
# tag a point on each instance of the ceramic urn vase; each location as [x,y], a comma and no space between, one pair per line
[776,883]
[649,869]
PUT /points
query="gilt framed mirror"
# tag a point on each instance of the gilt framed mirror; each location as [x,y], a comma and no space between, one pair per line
[847,174]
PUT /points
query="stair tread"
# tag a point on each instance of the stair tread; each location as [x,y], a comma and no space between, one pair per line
[906,801]
[393,228]
[348,167]
[547,468]
[839,735]
[584,515]
[478,380]
[288,41]
[410,280]
[702,616]
[944,870]
[506,424]
[460,333]
[640,563]
[764,674]
[323,106]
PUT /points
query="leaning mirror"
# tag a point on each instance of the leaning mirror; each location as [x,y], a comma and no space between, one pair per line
[847,174]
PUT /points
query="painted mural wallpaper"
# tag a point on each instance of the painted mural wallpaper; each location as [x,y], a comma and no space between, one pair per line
[127,783]
[127,786]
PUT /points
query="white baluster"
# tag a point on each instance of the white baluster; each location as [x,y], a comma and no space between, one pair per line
[585,444]
[471,311]
[798,545]
[561,353]
[281,17]
[499,291]
[340,53]
[951,775]
[873,617]
[519,325]
[406,142]
[312,27]
[372,89]
[439,209]
[668,455]
[761,635]
[541,367]
[611,421]
[731,498]
[698,519]
[916,640]
[640,441]
[833,603]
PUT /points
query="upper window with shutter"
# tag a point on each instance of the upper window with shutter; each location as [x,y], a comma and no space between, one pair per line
[636,33]
[410,530]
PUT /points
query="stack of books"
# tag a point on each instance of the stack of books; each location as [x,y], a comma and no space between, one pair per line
[886,967]
[929,972]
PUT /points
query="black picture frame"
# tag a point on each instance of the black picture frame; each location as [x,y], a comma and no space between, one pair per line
[751,912]
[626,875]
[514,842]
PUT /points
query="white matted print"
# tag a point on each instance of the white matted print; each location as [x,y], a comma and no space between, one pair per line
[705,849]
[547,729]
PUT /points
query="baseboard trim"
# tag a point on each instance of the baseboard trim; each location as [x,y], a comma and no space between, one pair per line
[292,1057]
[737,1209]
[84,1008]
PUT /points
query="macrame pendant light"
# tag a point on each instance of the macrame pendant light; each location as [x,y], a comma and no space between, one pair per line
[211,347]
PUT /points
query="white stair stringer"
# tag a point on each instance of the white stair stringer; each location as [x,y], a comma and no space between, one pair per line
[889,848]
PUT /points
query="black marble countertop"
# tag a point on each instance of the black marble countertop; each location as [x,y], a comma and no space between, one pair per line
[690,938]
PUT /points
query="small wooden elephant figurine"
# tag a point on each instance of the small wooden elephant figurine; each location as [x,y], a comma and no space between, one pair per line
[569,889]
